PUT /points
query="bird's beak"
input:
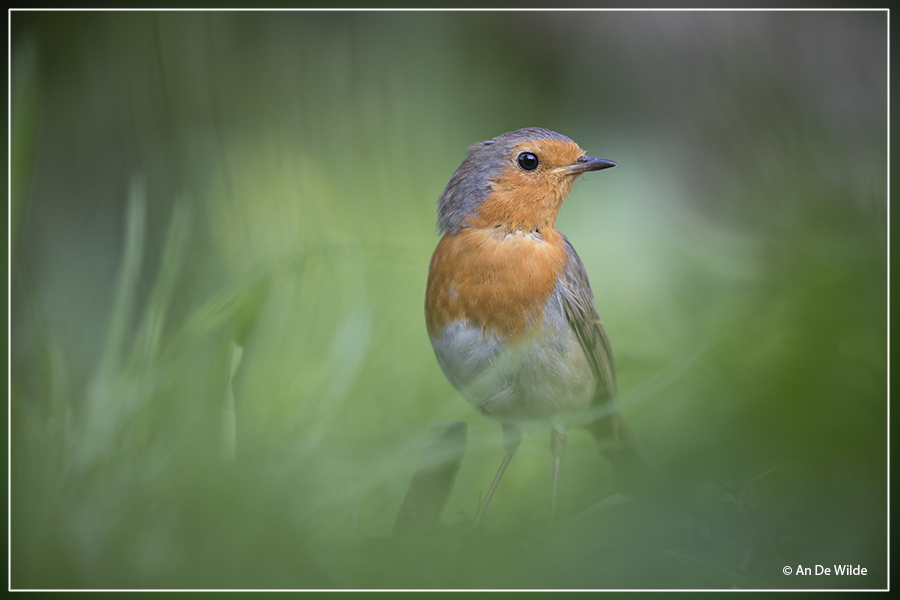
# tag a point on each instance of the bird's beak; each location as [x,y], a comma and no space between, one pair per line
[586,163]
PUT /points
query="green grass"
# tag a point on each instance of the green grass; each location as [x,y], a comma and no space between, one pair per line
[220,371]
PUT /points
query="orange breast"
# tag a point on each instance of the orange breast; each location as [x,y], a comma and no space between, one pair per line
[499,281]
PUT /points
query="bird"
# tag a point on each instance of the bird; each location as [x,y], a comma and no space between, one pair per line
[509,309]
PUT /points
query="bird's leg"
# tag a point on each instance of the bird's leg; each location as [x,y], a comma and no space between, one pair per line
[557,448]
[511,439]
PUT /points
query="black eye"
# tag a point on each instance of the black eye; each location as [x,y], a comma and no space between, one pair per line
[528,161]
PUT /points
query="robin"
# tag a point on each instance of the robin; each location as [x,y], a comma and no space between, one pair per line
[509,308]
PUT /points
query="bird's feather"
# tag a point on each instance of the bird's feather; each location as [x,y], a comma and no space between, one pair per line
[617,443]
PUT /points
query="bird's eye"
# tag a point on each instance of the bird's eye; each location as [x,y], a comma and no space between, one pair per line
[528,161]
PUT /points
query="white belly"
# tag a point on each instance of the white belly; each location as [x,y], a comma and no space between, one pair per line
[545,376]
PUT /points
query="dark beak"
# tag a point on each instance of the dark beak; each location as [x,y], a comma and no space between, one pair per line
[587,163]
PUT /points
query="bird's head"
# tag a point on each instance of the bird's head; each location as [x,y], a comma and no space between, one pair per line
[517,180]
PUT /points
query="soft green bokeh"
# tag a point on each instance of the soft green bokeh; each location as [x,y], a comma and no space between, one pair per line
[188,186]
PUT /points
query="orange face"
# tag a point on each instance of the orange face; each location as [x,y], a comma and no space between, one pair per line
[530,200]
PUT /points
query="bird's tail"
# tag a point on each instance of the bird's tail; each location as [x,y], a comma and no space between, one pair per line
[620,447]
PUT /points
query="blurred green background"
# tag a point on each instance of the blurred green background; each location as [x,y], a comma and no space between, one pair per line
[221,229]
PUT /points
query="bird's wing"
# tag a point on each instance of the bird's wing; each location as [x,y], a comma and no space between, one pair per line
[578,302]
[617,442]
